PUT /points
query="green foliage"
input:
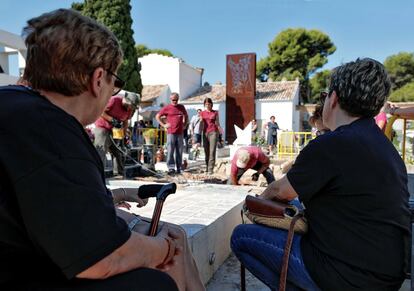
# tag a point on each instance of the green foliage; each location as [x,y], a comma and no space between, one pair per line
[143,50]
[295,53]
[400,68]
[149,132]
[77,6]
[258,140]
[116,15]
[404,94]
[318,83]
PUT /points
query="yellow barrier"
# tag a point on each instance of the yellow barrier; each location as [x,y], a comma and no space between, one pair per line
[290,143]
[154,136]
[389,130]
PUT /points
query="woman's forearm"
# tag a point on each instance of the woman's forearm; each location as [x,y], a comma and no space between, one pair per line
[138,251]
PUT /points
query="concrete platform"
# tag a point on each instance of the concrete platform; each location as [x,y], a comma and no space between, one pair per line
[208,213]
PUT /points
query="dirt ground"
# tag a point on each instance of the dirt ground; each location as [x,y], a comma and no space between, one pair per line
[227,278]
[195,173]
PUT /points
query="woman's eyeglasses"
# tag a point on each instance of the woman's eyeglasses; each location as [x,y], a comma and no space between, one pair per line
[118,84]
[322,97]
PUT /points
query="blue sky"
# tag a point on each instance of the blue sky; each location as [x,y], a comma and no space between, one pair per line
[203,32]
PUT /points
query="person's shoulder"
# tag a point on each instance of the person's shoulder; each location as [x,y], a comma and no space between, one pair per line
[114,99]
[165,108]
[17,90]
[181,106]
[22,99]
[323,141]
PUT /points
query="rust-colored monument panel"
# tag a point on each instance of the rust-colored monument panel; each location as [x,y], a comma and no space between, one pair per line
[240,92]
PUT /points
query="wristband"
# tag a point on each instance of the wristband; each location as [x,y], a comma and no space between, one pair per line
[170,251]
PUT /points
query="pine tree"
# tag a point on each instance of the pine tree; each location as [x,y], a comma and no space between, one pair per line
[296,53]
[116,15]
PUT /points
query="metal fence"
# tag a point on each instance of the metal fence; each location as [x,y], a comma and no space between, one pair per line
[290,143]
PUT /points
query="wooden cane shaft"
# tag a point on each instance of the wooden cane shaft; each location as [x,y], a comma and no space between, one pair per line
[156,218]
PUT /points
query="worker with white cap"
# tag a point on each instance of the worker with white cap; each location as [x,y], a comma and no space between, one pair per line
[250,157]
[114,123]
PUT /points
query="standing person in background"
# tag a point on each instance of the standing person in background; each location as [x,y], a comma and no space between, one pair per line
[211,129]
[116,115]
[381,119]
[196,129]
[185,138]
[176,119]
[272,128]
[254,127]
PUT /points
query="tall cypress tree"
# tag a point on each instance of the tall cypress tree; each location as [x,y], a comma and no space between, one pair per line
[116,15]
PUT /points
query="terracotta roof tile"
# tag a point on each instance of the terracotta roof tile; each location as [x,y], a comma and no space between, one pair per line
[216,92]
[267,91]
[151,92]
[276,91]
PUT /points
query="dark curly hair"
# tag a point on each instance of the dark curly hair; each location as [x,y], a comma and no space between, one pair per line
[362,87]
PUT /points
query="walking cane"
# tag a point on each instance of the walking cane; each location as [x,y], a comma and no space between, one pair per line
[161,193]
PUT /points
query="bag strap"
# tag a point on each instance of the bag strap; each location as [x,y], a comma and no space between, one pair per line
[286,254]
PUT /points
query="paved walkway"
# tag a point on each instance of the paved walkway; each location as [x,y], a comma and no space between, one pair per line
[227,278]
[207,212]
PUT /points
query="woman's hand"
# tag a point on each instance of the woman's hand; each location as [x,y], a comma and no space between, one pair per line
[123,204]
[128,194]
[390,108]
[172,248]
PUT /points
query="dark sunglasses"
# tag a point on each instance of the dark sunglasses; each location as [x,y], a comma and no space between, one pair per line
[174,100]
[322,97]
[118,84]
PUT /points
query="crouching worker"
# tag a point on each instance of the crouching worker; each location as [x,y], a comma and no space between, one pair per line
[250,158]
[353,184]
[59,229]
[111,127]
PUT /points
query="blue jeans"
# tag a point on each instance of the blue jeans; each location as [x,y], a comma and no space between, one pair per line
[261,249]
[174,146]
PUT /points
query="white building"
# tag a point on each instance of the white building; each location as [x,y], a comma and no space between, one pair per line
[162,70]
[272,98]
[11,44]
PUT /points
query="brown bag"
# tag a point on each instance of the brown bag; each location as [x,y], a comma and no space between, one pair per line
[276,214]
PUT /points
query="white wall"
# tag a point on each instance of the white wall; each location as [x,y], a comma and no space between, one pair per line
[164,97]
[295,113]
[157,69]
[4,60]
[179,76]
[7,79]
[11,44]
[190,80]
[282,110]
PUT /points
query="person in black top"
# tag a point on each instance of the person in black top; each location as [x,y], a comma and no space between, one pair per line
[353,185]
[58,225]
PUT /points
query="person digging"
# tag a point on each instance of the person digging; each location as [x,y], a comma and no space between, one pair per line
[250,157]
